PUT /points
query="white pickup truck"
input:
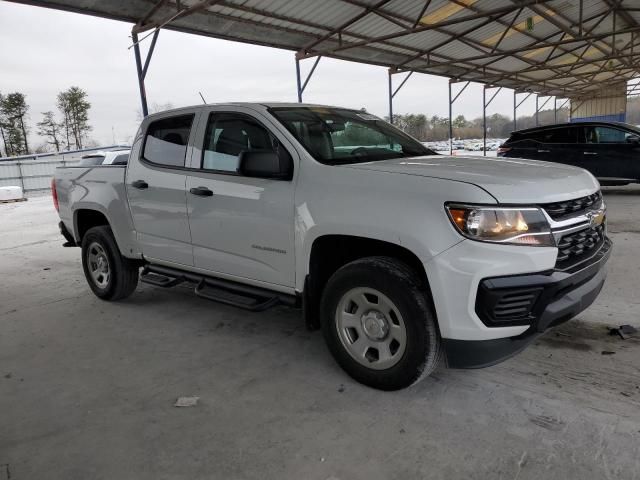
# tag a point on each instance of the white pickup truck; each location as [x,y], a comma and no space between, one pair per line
[400,255]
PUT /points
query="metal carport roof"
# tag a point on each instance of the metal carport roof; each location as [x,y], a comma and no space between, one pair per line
[556,47]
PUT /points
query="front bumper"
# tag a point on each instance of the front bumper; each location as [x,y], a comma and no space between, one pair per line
[541,301]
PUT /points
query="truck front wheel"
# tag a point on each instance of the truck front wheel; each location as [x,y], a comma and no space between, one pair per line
[378,323]
[110,275]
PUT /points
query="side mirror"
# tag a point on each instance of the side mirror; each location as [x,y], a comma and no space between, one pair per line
[265,164]
[635,139]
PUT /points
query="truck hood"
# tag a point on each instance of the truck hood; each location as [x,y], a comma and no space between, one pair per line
[509,180]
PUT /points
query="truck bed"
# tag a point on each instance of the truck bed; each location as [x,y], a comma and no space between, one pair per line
[98,188]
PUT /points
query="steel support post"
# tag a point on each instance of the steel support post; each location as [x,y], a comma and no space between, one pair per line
[555,109]
[143,93]
[517,104]
[390,98]
[302,85]
[21,177]
[392,92]
[451,102]
[298,83]
[450,121]
[484,121]
[537,122]
[515,108]
[485,104]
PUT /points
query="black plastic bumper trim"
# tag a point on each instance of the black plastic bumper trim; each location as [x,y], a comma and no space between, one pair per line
[564,296]
[484,353]
[66,234]
[553,287]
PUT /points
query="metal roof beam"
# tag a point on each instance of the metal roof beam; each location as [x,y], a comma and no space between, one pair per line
[454,37]
[624,12]
[566,29]
[346,24]
[181,13]
[531,47]
[433,26]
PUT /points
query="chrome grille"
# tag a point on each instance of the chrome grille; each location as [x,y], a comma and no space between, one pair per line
[559,210]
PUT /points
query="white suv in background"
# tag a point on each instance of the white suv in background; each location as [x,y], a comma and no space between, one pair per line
[109,157]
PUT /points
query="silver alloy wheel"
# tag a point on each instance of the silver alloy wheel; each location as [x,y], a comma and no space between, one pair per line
[98,264]
[371,328]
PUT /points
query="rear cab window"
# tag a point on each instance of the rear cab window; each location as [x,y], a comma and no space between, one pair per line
[121,159]
[166,140]
[91,160]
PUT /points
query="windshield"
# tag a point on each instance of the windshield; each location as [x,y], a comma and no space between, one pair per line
[339,136]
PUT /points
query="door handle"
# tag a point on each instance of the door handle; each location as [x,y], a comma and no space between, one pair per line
[544,151]
[140,184]
[201,191]
[589,153]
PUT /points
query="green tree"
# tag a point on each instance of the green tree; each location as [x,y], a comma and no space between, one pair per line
[459,122]
[50,129]
[74,107]
[13,113]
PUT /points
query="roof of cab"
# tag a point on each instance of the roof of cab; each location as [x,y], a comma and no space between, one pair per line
[249,104]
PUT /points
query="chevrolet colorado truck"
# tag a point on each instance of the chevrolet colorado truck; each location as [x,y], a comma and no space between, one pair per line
[401,256]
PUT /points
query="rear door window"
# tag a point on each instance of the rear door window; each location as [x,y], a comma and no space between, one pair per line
[605,135]
[166,140]
[560,135]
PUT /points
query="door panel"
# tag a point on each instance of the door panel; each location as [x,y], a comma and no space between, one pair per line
[156,189]
[600,158]
[558,145]
[245,228]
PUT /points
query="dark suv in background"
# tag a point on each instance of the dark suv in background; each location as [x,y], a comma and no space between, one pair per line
[609,150]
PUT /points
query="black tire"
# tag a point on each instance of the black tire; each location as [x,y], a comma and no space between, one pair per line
[398,283]
[123,272]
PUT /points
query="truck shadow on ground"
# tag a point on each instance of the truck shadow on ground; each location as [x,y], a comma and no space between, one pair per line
[577,360]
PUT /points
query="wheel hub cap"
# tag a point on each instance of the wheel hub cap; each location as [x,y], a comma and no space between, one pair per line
[375,325]
[98,265]
[371,328]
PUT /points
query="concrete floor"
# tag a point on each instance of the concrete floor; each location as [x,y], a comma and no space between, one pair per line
[87,387]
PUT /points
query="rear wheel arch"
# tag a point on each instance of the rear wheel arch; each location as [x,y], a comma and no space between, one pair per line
[85,218]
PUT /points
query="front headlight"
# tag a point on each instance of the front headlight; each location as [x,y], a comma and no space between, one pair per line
[522,226]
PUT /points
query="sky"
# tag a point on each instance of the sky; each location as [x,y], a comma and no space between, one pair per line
[43,52]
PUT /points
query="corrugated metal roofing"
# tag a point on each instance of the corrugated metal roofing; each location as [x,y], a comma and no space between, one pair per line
[555,47]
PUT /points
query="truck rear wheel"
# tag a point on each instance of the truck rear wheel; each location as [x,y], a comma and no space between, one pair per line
[110,275]
[379,324]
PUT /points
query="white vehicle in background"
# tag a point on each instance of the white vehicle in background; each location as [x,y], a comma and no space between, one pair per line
[474,147]
[398,254]
[109,157]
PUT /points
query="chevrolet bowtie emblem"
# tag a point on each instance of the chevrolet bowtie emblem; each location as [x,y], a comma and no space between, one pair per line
[596,218]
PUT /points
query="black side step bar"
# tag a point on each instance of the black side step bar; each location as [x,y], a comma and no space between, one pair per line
[159,280]
[248,297]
